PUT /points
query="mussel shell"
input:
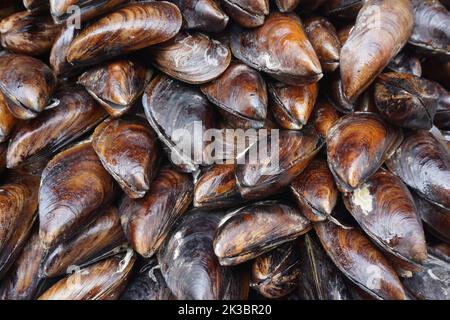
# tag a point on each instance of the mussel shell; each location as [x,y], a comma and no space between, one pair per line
[319,277]
[289,5]
[188,107]
[74,187]
[27,83]
[28,33]
[148,284]
[287,55]
[18,208]
[431,34]
[241,91]
[360,261]
[258,179]
[191,57]
[381,30]
[128,149]
[357,146]
[23,282]
[217,188]
[58,53]
[324,39]
[247,13]
[324,116]
[38,138]
[436,219]
[334,93]
[133,27]
[116,85]
[315,191]
[385,210]
[256,229]
[147,221]
[190,267]
[275,274]
[343,8]
[406,62]
[204,15]
[101,236]
[104,280]
[7,120]
[35,4]
[423,163]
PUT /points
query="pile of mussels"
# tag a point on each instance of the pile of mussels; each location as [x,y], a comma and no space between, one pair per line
[93,205]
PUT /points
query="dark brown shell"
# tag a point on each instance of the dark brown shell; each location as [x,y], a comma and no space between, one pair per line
[133,27]
[41,137]
[324,39]
[58,53]
[287,55]
[289,5]
[431,34]
[360,261]
[147,221]
[260,178]
[407,101]
[104,280]
[275,274]
[381,30]
[7,120]
[406,62]
[190,267]
[74,187]
[442,117]
[437,219]
[100,237]
[191,57]
[343,8]
[334,93]
[423,163]
[315,191]
[292,105]
[128,150]
[187,107]
[116,85]
[27,83]
[256,229]
[324,116]
[247,13]
[357,146]
[35,4]
[241,92]
[28,33]
[204,15]
[385,210]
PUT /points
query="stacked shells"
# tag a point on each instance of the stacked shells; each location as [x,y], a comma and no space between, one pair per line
[119,179]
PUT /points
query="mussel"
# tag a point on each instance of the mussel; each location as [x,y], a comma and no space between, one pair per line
[324,116]
[247,13]
[7,120]
[58,53]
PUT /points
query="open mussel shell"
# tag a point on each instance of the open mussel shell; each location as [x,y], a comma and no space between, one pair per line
[27,84]
[98,239]
[407,101]
[292,105]
[324,116]
[133,27]
[28,33]
[147,221]
[360,261]
[128,149]
[381,30]
[7,120]
[104,280]
[247,13]
[241,92]
[116,85]
[385,210]
[191,57]
[203,15]
[62,10]
[406,62]
[183,124]
[343,8]
[357,146]
[315,191]
[436,219]
[290,153]
[23,282]
[423,163]
[255,229]
[275,274]
[42,137]
[74,188]
[148,284]
[324,39]
[432,283]
[319,277]
[431,34]
[287,55]
[190,267]
[58,53]
[217,188]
